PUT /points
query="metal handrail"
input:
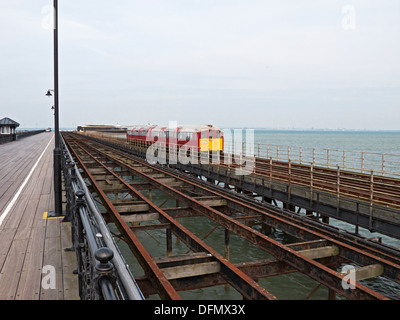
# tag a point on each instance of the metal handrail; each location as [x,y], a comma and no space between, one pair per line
[112,282]
[386,164]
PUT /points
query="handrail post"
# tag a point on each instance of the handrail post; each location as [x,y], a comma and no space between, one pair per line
[338,184]
[69,178]
[277,152]
[344,159]
[362,162]
[313,151]
[78,240]
[311,183]
[371,200]
[300,154]
[327,158]
[105,278]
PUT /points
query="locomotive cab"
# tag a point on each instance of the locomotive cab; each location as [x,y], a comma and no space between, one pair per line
[211,140]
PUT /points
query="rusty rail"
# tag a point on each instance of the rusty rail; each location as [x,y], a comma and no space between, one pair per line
[283,253]
[327,170]
[243,283]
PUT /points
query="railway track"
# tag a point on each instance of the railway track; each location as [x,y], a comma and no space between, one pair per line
[318,250]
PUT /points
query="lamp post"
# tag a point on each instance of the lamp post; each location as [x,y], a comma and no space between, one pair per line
[57,149]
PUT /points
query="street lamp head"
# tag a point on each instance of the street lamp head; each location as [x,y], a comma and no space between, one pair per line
[48,94]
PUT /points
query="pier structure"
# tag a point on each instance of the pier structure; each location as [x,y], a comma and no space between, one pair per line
[139,198]
[128,229]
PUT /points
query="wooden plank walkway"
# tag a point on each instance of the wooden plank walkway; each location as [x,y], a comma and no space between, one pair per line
[33,262]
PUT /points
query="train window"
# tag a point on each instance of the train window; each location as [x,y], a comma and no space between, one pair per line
[217,134]
[204,134]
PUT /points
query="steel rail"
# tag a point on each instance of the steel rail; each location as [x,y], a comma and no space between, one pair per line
[383,186]
[308,266]
[356,240]
[286,217]
[154,273]
[380,251]
[377,249]
[237,278]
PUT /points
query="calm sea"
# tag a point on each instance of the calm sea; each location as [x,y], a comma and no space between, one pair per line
[363,141]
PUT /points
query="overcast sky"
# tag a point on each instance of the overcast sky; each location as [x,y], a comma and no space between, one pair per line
[254,63]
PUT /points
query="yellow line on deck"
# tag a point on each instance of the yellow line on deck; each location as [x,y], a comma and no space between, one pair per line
[45,217]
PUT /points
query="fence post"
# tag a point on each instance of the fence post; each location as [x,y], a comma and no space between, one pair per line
[327,158]
[300,154]
[270,169]
[277,152]
[290,183]
[362,162]
[311,183]
[313,156]
[371,200]
[344,159]
[338,184]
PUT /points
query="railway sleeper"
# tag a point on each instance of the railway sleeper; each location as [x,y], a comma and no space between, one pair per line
[245,285]
[254,237]
[296,260]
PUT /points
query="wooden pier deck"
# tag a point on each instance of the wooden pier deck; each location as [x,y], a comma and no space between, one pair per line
[33,262]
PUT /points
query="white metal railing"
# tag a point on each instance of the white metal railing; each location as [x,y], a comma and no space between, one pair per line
[365,162]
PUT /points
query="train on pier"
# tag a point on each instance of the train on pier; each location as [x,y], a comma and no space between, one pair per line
[196,137]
